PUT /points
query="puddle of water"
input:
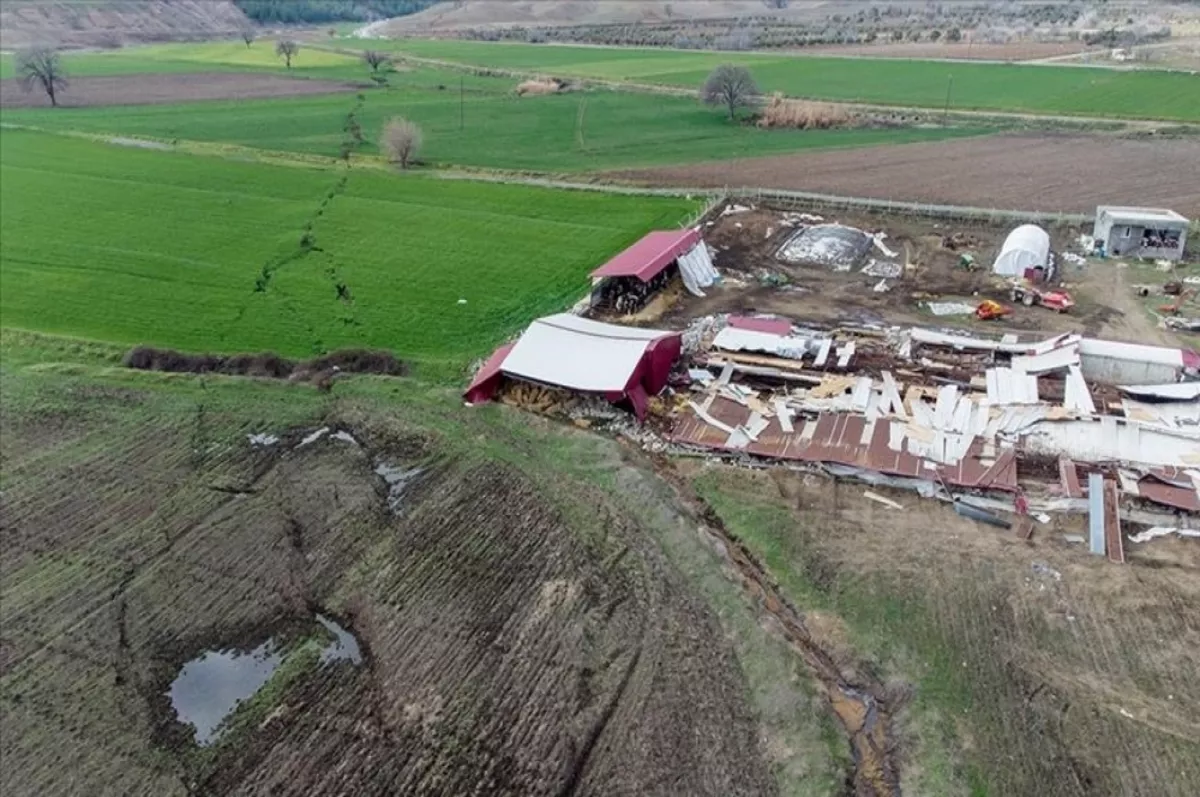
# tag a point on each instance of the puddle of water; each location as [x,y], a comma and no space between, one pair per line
[344,646]
[209,687]
[397,480]
[345,437]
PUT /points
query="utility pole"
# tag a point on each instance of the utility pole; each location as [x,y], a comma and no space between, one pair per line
[462,104]
[946,110]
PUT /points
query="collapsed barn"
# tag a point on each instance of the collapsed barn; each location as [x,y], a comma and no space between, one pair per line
[1009,427]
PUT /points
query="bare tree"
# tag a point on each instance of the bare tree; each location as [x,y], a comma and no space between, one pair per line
[41,66]
[248,36]
[729,85]
[401,141]
[288,49]
[375,59]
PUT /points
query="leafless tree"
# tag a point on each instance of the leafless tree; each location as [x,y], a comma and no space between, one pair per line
[401,141]
[288,49]
[248,36]
[41,66]
[729,85]
[375,59]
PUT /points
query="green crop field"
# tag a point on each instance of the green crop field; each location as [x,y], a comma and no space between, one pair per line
[232,56]
[997,87]
[204,254]
[488,126]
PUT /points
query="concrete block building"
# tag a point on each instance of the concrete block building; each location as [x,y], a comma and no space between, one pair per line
[1154,233]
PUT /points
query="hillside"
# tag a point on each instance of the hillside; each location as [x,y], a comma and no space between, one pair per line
[108,23]
[457,14]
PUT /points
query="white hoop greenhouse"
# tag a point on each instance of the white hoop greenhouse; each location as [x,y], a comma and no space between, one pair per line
[1028,246]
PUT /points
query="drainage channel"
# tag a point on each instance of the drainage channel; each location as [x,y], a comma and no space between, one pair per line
[858,706]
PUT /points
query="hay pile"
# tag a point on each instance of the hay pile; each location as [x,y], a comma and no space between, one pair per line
[540,86]
[780,112]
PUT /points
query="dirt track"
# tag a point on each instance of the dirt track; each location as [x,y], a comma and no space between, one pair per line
[1010,172]
[168,88]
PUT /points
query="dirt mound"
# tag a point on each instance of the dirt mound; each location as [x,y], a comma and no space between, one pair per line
[111,23]
[167,88]
[265,364]
[483,13]
[516,638]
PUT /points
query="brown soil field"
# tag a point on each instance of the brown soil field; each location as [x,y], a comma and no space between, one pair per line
[168,88]
[1012,51]
[1047,671]
[746,246]
[1031,172]
[519,637]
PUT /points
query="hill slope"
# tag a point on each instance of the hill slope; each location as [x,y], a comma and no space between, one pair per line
[481,13]
[101,23]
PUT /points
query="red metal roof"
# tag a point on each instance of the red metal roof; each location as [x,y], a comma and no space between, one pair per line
[839,438]
[654,252]
[771,326]
[486,379]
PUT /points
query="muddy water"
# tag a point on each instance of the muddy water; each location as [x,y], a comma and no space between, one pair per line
[209,688]
[344,645]
[397,480]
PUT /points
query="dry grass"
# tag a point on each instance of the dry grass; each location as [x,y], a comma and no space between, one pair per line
[538,86]
[780,112]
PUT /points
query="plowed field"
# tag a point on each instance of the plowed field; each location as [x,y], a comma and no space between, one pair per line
[156,89]
[518,638]
[1012,172]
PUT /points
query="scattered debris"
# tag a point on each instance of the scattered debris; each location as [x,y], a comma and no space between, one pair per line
[883,268]
[1043,569]
[879,499]
[1163,531]
[262,439]
[344,436]
[314,437]
[950,308]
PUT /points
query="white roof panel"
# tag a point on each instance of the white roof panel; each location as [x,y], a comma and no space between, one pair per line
[578,353]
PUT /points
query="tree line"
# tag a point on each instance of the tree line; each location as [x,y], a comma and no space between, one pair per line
[310,12]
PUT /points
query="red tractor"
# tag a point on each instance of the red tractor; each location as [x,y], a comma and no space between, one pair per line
[1030,295]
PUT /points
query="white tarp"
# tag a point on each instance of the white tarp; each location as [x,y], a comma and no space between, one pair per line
[697,269]
[578,353]
[1028,246]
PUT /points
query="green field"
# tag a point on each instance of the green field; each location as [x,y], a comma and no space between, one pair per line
[133,246]
[233,56]
[488,126]
[995,87]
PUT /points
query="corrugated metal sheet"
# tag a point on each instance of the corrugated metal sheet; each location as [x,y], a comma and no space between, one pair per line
[1010,386]
[847,439]
[1096,513]
[772,326]
[1076,395]
[1174,391]
[1109,439]
[650,255]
